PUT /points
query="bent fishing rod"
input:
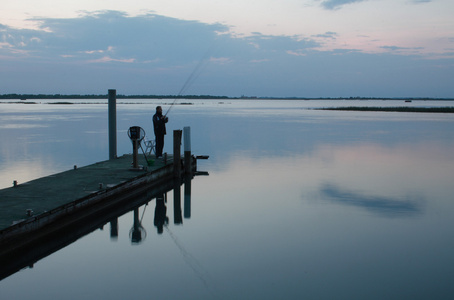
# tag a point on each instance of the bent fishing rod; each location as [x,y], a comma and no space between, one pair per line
[192,77]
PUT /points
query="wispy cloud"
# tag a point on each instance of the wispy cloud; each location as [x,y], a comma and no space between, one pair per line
[106,59]
[326,35]
[220,60]
[336,4]
[257,61]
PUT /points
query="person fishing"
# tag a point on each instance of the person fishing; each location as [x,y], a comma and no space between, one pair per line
[159,125]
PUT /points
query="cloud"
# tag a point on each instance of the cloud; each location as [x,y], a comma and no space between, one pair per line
[326,35]
[257,61]
[397,49]
[336,4]
[106,59]
[220,60]
[153,54]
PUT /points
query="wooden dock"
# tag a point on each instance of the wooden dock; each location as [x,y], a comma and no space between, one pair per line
[32,214]
[79,184]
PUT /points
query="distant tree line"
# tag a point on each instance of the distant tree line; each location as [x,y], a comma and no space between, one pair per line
[119,96]
[105,96]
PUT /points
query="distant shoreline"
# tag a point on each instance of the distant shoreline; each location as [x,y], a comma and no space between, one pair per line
[394,109]
[24,97]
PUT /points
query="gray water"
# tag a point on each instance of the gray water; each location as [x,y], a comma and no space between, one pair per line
[299,203]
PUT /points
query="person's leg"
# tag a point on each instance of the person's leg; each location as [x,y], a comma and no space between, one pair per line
[159,145]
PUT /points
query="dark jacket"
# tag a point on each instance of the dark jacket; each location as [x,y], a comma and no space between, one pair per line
[159,124]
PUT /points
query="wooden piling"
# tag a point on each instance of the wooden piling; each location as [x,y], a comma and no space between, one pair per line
[112,124]
[177,153]
[187,150]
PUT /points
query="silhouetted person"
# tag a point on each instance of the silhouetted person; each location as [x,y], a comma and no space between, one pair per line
[159,125]
[160,214]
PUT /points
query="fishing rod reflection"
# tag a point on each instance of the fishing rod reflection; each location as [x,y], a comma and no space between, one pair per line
[138,233]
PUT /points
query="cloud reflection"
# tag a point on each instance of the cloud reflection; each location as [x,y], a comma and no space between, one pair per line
[384,206]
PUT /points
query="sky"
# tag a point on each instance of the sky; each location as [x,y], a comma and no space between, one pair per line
[276,48]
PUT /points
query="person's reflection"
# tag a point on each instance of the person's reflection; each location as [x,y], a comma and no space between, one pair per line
[160,214]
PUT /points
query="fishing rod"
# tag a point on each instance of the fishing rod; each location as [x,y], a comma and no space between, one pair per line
[192,77]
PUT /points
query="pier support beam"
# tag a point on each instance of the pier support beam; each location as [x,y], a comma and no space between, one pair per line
[177,153]
[112,124]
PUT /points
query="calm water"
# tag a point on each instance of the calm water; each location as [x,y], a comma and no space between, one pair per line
[298,204]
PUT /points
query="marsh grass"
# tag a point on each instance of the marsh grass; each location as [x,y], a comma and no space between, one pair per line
[395,109]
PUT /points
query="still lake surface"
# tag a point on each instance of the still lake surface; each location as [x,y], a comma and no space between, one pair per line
[299,203]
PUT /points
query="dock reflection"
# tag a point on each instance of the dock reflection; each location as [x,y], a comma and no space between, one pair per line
[90,222]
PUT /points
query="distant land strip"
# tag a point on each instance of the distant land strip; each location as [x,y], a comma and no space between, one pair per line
[120,96]
[394,109]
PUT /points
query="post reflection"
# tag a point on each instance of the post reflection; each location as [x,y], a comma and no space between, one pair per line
[187,197]
[160,213]
[177,216]
[114,229]
[137,232]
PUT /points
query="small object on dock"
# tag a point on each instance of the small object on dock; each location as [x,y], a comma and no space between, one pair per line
[14,183]
[202,156]
[201,173]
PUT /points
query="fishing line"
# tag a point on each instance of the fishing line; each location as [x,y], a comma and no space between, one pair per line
[143,213]
[192,262]
[192,77]
[194,74]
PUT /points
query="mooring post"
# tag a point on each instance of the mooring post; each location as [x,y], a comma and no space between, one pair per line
[112,124]
[177,153]
[135,154]
[187,150]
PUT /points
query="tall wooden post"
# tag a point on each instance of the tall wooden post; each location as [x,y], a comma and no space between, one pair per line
[112,124]
[177,153]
